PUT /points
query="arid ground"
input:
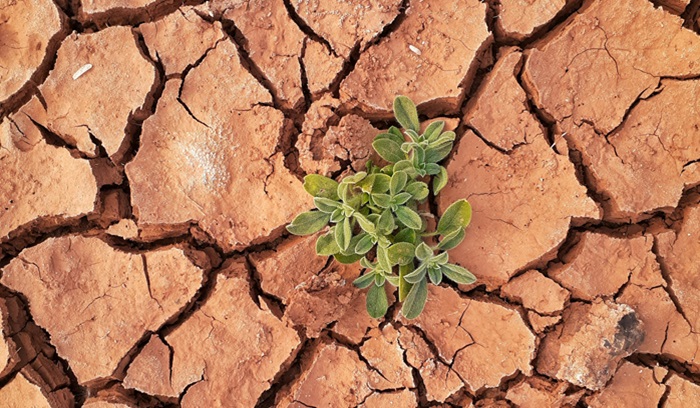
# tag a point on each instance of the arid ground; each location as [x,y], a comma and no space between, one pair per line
[151,153]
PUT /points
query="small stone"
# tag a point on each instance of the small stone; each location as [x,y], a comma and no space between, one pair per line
[201,164]
[537,292]
[27,30]
[180,39]
[103,99]
[600,264]
[660,373]
[96,302]
[541,323]
[149,372]
[383,352]
[536,392]
[125,228]
[519,19]
[498,110]
[531,195]
[347,25]
[485,342]
[682,392]
[439,379]
[632,387]
[451,44]
[586,348]
[20,393]
[40,182]
[321,67]
[257,344]
[403,399]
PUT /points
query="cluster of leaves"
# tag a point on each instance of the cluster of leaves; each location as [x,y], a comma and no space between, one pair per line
[376,218]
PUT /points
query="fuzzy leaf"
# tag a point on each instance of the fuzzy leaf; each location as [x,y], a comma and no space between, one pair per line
[435,275]
[457,215]
[343,234]
[386,222]
[406,113]
[415,301]
[401,253]
[413,135]
[375,183]
[326,205]
[379,279]
[393,279]
[377,303]
[402,198]
[365,224]
[406,235]
[441,259]
[407,166]
[437,153]
[440,180]
[389,150]
[337,216]
[321,186]
[417,275]
[382,200]
[383,259]
[432,169]
[451,239]
[365,280]
[432,132]
[393,130]
[423,251]
[398,182]
[347,259]
[308,222]
[364,244]
[457,274]
[418,190]
[326,245]
[409,218]
[404,286]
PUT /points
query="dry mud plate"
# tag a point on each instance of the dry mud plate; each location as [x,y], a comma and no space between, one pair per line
[151,152]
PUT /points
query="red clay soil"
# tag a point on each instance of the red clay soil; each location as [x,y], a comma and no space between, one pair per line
[151,152]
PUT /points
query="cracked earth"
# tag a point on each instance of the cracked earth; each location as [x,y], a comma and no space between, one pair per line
[151,153]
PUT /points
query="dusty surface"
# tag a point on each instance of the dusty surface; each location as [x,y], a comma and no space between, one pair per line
[152,151]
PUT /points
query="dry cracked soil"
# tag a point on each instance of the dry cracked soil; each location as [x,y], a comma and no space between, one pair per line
[151,152]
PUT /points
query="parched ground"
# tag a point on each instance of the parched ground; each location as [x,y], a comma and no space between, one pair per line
[152,151]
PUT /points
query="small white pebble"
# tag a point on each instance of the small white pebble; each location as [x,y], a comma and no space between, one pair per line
[414,49]
[85,68]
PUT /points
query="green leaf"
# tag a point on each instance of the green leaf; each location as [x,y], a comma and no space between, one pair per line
[423,251]
[389,150]
[326,245]
[434,154]
[393,279]
[418,189]
[406,113]
[407,166]
[377,303]
[417,275]
[457,215]
[404,286]
[347,259]
[409,218]
[435,275]
[383,259]
[379,279]
[432,132]
[401,198]
[393,134]
[337,216]
[343,234]
[406,235]
[440,181]
[375,183]
[382,200]
[365,224]
[364,244]
[395,131]
[326,205]
[386,222]
[415,301]
[415,137]
[432,169]
[418,156]
[321,186]
[451,239]
[365,280]
[355,178]
[440,259]
[446,137]
[398,182]
[401,253]
[458,274]
[308,222]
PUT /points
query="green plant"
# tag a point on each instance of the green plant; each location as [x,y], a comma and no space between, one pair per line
[377,219]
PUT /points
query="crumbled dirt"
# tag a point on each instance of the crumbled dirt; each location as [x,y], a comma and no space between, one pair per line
[151,152]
